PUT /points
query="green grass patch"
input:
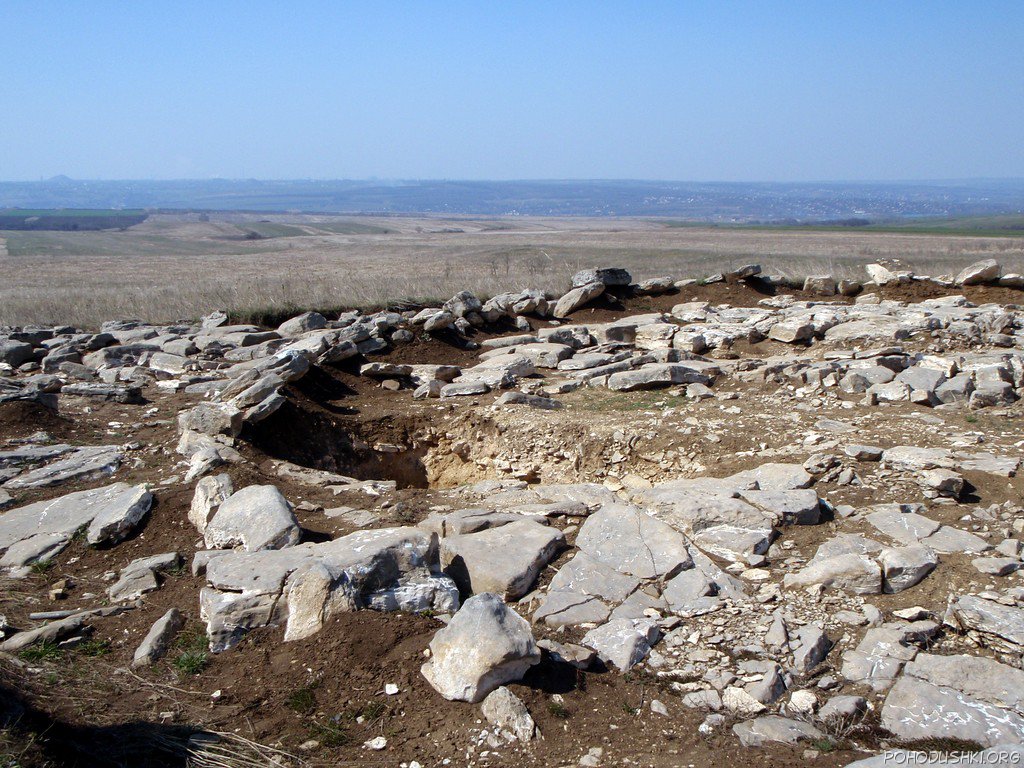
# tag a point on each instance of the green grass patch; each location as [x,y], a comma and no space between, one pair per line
[1008,225]
[192,653]
[352,228]
[39,567]
[559,710]
[302,700]
[265,230]
[93,647]
[329,733]
[45,651]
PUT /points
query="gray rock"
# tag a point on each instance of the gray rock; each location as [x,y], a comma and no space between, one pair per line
[918,709]
[158,640]
[585,575]
[655,375]
[853,573]
[743,273]
[568,653]
[570,609]
[464,389]
[534,401]
[211,419]
[439,321]
[504,560]
[903,567]
[256,517]
[994,620]
[462,304]
[48,633]
[608,276]
[506,711]
[996,566]
[485,645]
[14,353]
[307,321]
[139,577]
[632,542]
[822,285]
[210,493]
[623,643]
[773,728]
[383,568]
[985,271]
[39,531]
[843,709]
[88,463]
[577,298]
[810,648]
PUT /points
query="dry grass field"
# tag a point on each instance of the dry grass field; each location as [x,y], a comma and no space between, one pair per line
[179,267]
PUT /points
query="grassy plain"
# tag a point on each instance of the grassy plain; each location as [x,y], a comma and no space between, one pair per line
[180,266]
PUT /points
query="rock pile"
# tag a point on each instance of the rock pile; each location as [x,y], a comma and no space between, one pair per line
[776,594]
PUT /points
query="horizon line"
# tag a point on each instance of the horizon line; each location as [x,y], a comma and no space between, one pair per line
[551,180]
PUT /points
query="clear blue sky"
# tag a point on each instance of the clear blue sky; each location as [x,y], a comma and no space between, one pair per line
[503,90]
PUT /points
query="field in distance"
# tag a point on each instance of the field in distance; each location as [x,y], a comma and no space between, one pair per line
[179,266]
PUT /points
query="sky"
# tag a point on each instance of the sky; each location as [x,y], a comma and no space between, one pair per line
[701,91]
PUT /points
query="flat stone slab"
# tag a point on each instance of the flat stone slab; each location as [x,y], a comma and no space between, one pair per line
[86,463]
[998,621]
[37,532]
[504,560]
[772,728]
[918,709]
[632,542]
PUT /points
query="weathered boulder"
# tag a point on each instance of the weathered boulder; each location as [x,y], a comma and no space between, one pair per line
[1000,624]
[86,463]
[962,697]
[632,542]
[576,298]
[655,375]
[307,321]
[773,728]
[485,645]
[903,567]
[624,643]
[210,493]
[857,574]
[607,276]
[140,576]
[985,271]
[303,586]
[506,711]
[256,517]
[212,419]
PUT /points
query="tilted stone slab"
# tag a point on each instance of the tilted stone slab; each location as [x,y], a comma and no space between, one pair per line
[82,464]
[504,560]
[39,531]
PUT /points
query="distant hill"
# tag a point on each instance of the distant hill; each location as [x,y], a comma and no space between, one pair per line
[689,201]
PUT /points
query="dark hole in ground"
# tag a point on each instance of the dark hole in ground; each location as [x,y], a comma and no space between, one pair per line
[320,440]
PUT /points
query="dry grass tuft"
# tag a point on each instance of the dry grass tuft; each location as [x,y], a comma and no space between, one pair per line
[167,269]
